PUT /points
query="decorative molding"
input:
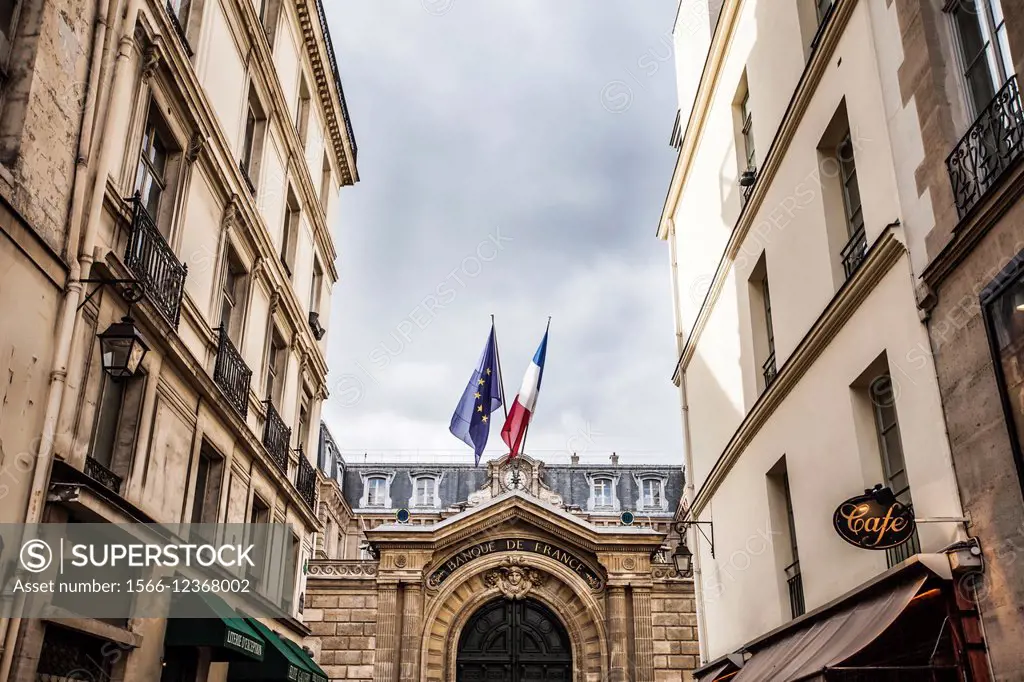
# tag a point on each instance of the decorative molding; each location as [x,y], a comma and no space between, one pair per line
[642,476]
[388,477]
[152,56]
[343,570]
[515,579]
[604,475]
[880,259]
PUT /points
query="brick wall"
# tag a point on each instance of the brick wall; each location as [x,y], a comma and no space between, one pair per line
[675,633]
[343,621]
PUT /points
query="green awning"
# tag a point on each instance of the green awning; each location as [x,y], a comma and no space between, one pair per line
[283,661]
[310,663]
[222,628]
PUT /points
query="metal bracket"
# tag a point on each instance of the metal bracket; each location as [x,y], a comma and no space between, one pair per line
[681,527]
[132,291]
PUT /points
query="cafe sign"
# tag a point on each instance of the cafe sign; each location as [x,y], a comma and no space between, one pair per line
[874,520]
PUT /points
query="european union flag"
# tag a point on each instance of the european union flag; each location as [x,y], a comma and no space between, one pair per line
[471,422]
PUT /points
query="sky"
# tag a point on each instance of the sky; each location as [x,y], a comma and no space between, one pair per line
[514,159]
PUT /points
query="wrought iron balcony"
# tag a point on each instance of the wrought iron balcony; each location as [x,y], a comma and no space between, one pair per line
[900,553]
[305,481]
[232,374]
[854,252]
[796,589]
[337,75]
[103,475]
[276,437]
[769,371]
[314,325]
[245,176]
[992,145]
[153,262]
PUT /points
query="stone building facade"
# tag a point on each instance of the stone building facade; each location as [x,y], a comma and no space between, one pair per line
[501,573]
[178,163]
[967,166]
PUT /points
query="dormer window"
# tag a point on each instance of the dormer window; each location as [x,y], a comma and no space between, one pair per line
[651,492]
[376,489]
[602,491]
[425,489]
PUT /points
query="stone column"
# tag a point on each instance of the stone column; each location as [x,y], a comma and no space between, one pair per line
[644,634]
[618,634]
[412,616]
[384,667]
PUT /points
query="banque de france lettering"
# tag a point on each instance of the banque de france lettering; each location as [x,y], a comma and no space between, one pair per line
[511,545]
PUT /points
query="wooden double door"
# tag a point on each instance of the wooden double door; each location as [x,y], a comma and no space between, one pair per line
[514,641]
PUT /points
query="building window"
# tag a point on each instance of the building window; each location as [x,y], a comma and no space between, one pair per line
[180,9]
[762,325]
[290,232]
[651,492]
[376,489]
[10,11]
[159,158]
[984,51]
[69,655]
[305,405]
[425,492]
[747,133]
[118,416]
[316,287]
[233,289]
[206,494]
[1003,307]
[291,581]
[252,142]
[851,190]
[326,182]
[270,10]
[603,495]
[277,354]
[302,111]
[822,7]
[887,427]
[787,556]
[259,520]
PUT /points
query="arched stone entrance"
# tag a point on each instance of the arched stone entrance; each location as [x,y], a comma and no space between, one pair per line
[514,640]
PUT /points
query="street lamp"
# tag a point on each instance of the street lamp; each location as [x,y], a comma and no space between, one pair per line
[683,559]
[122,349]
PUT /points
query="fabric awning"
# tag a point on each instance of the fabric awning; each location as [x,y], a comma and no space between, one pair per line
[711,673]
[281,662]
[222,629]
[811,649]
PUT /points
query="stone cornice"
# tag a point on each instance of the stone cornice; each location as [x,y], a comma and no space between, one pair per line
[970,231]
[886,251]
[812,74]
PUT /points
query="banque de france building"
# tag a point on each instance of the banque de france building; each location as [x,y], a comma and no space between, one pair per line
[493,578]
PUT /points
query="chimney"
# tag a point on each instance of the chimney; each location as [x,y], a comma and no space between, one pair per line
[615,460]
[575,459]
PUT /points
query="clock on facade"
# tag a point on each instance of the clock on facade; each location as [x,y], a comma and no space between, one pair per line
[508,477]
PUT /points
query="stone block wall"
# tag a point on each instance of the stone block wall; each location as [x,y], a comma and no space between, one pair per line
[343,621]
[674,620]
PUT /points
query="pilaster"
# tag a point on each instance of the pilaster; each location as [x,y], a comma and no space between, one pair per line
[384,668]
[644,634]
[412,626]
[618,633]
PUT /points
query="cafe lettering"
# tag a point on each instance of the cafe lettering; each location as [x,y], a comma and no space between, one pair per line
[874,520]
[483,549]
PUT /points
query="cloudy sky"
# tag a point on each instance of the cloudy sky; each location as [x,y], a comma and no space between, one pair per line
[514,158]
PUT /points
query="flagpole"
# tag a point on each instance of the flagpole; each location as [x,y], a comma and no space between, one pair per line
[501,377]
[526,431]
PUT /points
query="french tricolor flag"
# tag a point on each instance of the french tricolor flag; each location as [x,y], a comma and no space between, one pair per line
[521,411]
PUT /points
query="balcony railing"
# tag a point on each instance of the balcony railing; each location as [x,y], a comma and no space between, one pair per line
[769,371]
[796,589]
[276,437]
[305,481]
[245,176]
[992,145]
[103,475]
[153,262]
[232,374]
[337,76]
[900,553]
[854,252]
[315,327]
